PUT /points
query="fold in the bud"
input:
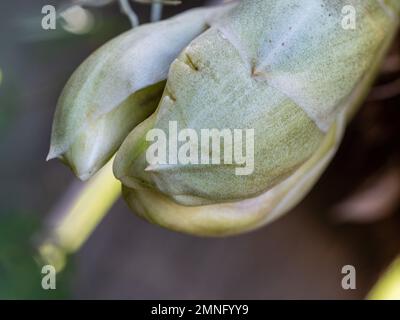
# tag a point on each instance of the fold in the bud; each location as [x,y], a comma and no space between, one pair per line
[281,68]
[118,87]
[232,218]
[286,69]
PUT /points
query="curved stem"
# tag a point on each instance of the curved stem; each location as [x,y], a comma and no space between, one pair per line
[72,225]
[126,9]
[156,11]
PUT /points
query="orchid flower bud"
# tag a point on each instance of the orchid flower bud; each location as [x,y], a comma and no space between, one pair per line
[288,73]
[117,88]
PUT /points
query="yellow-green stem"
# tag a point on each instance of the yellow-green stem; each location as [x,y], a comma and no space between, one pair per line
[388,287]
[80,218]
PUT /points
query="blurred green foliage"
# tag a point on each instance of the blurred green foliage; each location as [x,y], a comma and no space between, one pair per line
[20,273]
[8,101]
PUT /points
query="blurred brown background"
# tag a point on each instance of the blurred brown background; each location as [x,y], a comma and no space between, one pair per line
[351,216]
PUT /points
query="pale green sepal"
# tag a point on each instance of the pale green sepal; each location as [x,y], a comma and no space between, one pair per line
[282,68]
[117,87]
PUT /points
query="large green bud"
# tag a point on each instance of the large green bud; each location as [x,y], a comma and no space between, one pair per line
[118,87]
[293,72]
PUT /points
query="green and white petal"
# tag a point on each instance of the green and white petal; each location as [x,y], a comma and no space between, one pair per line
[283,68]
[237,217]
[118,87]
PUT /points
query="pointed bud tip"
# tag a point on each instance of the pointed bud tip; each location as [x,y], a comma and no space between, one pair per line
[52,154]
[82,175]
[151,168]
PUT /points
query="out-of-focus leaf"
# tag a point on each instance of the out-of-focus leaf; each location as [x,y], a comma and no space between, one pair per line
[20,273]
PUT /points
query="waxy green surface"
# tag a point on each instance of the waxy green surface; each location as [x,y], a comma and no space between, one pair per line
[117,88]
[287,69]
[283,68]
